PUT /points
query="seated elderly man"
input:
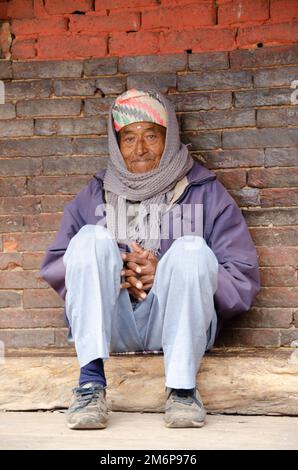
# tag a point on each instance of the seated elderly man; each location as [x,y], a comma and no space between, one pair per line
[139,273]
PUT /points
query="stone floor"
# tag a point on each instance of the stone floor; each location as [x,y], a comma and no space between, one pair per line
[47,430]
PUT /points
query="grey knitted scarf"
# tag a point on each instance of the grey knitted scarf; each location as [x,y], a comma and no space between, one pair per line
[149,189]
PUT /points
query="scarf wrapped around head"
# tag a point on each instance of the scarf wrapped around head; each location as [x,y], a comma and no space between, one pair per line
[149,189]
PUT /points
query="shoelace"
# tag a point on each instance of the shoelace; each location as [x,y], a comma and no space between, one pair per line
[85,396]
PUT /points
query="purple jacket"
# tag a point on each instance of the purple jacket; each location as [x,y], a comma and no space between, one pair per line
[224,230]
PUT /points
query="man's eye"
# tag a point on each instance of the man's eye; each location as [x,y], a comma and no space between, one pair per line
[151,136]
[129,140]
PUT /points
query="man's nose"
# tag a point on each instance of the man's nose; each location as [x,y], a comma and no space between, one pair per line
[140,147]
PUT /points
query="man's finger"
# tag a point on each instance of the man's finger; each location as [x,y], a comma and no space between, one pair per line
[125,285]
[134,267]
[137,294]
[147,279]
[136,247]
[135,282]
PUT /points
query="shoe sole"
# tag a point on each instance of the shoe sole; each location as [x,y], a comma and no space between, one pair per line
[87,426]
[185,424]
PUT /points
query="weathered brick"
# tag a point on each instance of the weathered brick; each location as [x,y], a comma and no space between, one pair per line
[47,69]
[36,338]
[21,280]
[279,197]
[71,47]
[111,85]
[5,69]
[56,7]
[42,222]
[74,165]
[268,34]
[279,276]
[7,111]
[296,318]
[83,87]
[153,63]
[214,80]
[56,185]
[282,76]
[106,4]
[20,9]
[38,26]
[53,107]
[12,186]
[273,177]
[31,318]
[54,203]
[97,106]
[27,241]
[198,40]
[265,56]
[104,66]
[32,260]
[28,89]
[142,42]
[19,167]
[261,337]
[281,157]
[256,138]
[264,318]
[180,17]
[23,49]
[90,146]
[281,236]
[232,179]
[36,147]
[10,261]
[9,299]
[41,298]
[61,339]
[162,81]
[208,61]
[202,141]
[233,158]
[18,128]
[201,101]
[9,223]
[217,119]
[243,11]
[270,97]
[19,205]
[281,256]
[70,126]
[93,25]
[287,336]
[283,10]
[255,217]
[246,197]
[277,117]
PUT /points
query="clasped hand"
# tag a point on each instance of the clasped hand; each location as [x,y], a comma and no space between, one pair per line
[139,271]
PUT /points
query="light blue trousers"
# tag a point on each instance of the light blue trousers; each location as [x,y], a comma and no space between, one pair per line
[178,314]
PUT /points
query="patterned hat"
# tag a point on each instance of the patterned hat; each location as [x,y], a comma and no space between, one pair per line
[137,106]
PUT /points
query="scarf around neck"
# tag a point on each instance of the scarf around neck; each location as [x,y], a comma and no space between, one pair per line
[150,189]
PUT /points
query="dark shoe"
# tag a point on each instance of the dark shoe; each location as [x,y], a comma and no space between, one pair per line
[89,408]
[184,409]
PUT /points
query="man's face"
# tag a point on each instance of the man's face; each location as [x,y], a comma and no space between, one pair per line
[142,145]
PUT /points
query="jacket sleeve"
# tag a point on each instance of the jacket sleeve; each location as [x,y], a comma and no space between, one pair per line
[52,268]
[230,240]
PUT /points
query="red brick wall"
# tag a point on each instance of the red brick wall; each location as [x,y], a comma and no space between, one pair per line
[234,105]
[72,29]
